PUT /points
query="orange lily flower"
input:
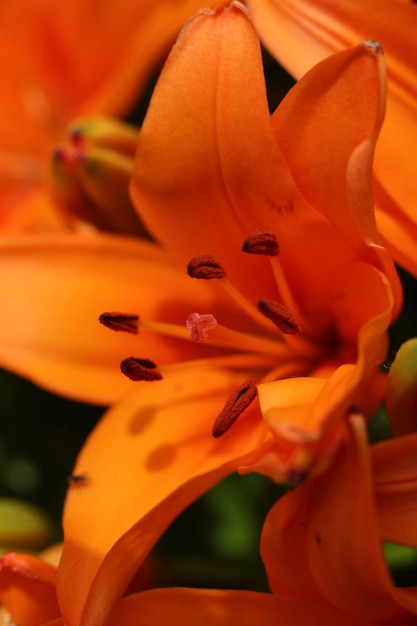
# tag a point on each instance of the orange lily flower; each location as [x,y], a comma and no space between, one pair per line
[313,332]
[318,572]
[300,33]
[87,58]
[213,170]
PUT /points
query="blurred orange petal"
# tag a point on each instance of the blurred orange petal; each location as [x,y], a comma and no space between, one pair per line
[88,57]
[395,476]
[180,607]
[27,589]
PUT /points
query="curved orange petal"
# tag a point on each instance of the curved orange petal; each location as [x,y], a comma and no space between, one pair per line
[332,161]
[27,589]
[54,289]
[92,57]
[147,459]
[301,33]
[207,169]
[181,607]
[395,477]
[313,547]
[307,414]
[329,150]
[211,94]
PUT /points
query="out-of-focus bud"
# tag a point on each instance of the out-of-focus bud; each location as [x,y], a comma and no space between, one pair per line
[90,174]
[23,526]
[401,394]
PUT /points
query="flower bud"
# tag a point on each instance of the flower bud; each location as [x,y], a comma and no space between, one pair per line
[90,175]
[23,526]
[401,394]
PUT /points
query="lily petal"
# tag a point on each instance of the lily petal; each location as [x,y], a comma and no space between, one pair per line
[50,330]
[300,33]
[146,460]
[395,476]
[180,607]
[207,159]
[27,589]
[209,170]
[305,124]
[311,551]
[334,172]
[307,411]
[87,58]
[75,70]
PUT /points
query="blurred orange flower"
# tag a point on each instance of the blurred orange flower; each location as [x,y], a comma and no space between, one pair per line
[300,33]
[59,63]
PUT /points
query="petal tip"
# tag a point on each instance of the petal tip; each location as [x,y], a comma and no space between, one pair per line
[373,47]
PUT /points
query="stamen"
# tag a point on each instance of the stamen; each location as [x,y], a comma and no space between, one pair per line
[205,267]
[125,322]
[199,326]
[234,407]
[279,315]
[261,242]
[140,369]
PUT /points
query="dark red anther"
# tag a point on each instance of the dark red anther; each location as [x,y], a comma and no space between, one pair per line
[125,322]
[261,242]
[234,407]
[205,267]
[140,369]
[279,315]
